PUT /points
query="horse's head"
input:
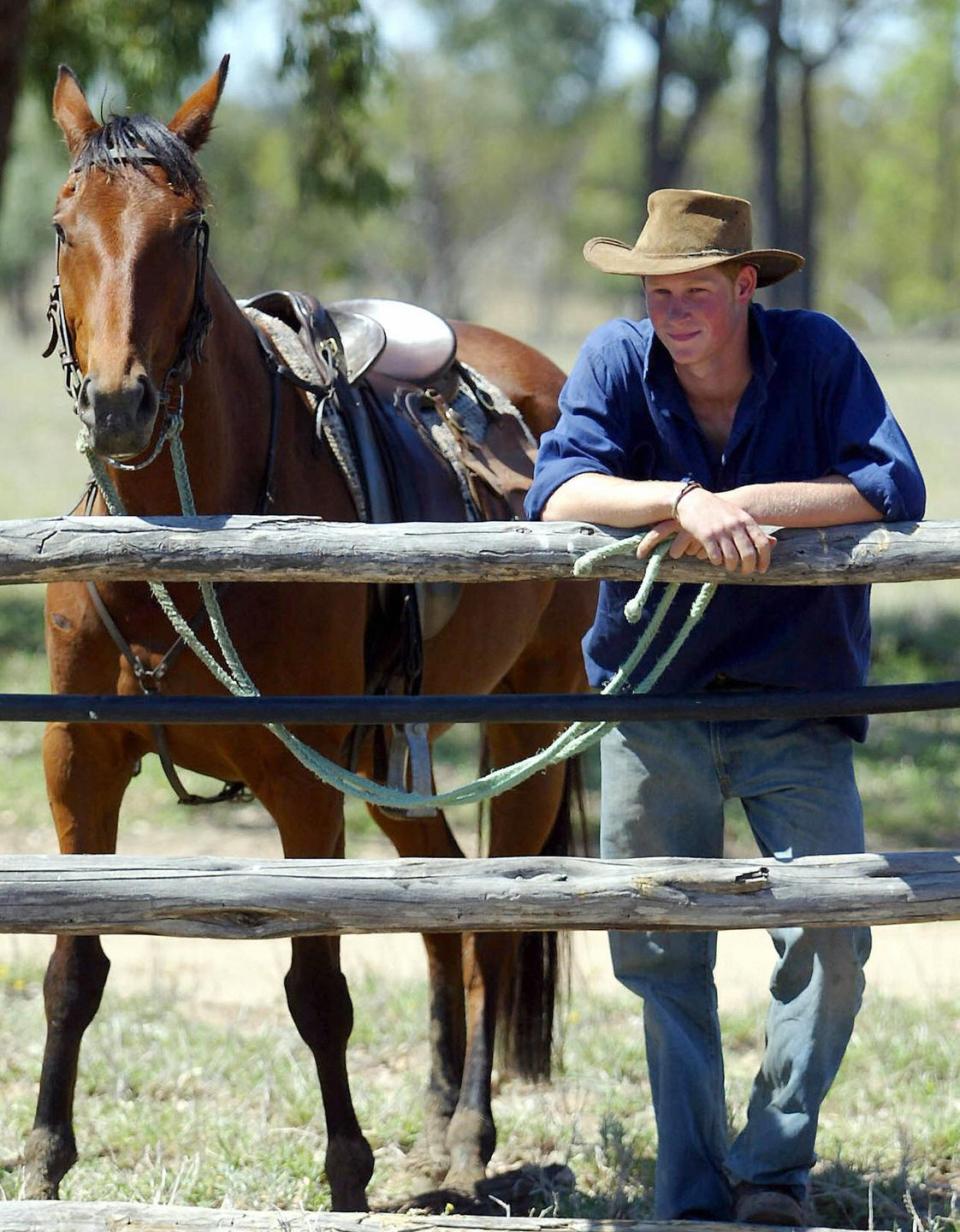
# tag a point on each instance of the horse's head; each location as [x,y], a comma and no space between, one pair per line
[131,250]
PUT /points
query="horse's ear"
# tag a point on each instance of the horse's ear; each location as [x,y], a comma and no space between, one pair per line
[194,119]
[72,111]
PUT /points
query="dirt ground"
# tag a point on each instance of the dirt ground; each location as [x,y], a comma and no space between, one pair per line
[916,961]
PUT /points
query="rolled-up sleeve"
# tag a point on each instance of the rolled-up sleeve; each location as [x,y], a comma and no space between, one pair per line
[593,431]
[869,446]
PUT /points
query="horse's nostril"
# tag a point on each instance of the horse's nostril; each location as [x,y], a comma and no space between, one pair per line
[83,397]
[148,396]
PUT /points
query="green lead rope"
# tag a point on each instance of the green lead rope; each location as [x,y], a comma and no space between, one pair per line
[573,740]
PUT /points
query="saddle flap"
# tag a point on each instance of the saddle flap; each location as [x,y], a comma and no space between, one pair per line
[361,338]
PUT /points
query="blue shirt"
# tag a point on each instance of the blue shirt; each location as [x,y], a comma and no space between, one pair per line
[812,408]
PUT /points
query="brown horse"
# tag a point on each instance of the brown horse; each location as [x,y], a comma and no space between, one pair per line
[131,243]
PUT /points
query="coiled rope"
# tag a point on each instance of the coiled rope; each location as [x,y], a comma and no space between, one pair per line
[573,740]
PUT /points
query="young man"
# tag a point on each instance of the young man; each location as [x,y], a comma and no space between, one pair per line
[709,422]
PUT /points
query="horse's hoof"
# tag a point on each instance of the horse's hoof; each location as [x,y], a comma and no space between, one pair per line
[425,1162]
[446,1200]
[47,1158]
[349,1166]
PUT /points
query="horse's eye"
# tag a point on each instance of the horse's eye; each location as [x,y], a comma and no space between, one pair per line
[188,231]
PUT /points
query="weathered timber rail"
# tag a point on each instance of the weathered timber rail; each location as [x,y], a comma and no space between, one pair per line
[130,1217]
[297,548]
[249,899]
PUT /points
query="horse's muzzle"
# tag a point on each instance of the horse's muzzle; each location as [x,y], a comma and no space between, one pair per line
[119,421]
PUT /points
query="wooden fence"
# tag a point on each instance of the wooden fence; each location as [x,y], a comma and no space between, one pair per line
[131,1217]
[286,549]
[234,898]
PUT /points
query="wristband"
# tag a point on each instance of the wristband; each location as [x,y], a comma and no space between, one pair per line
[687,484]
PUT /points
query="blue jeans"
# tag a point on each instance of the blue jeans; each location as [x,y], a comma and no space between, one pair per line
[663,788]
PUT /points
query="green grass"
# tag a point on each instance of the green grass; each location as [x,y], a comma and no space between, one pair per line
[172,1110]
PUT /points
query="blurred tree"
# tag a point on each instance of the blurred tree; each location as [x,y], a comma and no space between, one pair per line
[801,37]
[902,248]
[144,52]
[331,50]
[144,49]
[694,45]
[13,28]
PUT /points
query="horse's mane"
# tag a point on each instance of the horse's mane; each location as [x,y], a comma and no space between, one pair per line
[141,141]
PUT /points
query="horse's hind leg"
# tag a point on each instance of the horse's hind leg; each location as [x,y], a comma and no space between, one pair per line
[430,837]
[521,822]
[87,773]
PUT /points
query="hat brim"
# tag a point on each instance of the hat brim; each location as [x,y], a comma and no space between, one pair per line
[615,257]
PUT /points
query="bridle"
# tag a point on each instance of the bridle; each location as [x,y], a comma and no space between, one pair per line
[190,348]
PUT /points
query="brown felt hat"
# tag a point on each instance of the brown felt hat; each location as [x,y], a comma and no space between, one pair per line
[690,230]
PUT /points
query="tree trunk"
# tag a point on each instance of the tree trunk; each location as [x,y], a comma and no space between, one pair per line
[768,132]
[13,34]
[652,171]
[803,286]
[943,250]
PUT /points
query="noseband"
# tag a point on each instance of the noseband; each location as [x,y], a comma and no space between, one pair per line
[190,348]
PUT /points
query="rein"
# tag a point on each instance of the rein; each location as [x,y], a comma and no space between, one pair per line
[234,676]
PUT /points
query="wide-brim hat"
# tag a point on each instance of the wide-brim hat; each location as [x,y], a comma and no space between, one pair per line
[688,230]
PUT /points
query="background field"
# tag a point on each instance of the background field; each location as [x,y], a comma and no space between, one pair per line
[219,1104]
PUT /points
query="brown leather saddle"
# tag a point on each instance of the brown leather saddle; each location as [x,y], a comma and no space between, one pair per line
[420,437]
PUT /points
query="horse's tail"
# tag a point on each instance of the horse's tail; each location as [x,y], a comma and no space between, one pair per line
[541,967]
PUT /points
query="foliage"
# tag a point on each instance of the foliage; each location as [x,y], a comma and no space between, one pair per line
[144,48]
[554,49]
[331,50]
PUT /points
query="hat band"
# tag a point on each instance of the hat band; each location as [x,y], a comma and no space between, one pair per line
[702,252]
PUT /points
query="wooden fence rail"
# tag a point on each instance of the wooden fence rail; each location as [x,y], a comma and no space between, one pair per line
[298,548]
[130,1217]
[234,899]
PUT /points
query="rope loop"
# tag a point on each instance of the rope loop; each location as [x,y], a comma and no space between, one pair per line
[573,740]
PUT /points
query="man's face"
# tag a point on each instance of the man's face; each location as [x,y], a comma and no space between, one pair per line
[698,316]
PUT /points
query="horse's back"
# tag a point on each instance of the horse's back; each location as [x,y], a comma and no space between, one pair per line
[526,376]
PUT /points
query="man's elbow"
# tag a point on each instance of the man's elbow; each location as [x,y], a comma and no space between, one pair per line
[553,511]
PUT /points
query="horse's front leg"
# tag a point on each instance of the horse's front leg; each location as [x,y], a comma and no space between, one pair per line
[87,772]
[430,837]
[309,816]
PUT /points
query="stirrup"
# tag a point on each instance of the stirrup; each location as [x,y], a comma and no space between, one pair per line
[409,767]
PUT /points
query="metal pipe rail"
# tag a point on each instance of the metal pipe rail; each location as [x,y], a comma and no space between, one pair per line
[499,708]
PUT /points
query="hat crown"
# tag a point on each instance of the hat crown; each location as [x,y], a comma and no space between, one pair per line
[685,223]
[686,230]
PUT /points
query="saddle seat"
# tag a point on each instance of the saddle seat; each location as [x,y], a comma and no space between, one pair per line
[411,346]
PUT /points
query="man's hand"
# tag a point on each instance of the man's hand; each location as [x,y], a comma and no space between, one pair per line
[711,528]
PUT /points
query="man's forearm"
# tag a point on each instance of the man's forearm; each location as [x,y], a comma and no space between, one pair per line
[831,501]
[609,501]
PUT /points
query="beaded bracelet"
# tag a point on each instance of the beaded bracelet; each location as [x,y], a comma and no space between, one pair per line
[687,484]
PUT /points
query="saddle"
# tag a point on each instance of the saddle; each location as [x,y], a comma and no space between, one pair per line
[418,436]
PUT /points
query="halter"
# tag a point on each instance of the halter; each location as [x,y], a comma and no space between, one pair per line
[189,349]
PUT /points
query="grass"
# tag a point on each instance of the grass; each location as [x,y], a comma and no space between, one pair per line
[172,1110]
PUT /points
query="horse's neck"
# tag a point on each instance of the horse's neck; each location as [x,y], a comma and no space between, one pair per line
[226,424]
